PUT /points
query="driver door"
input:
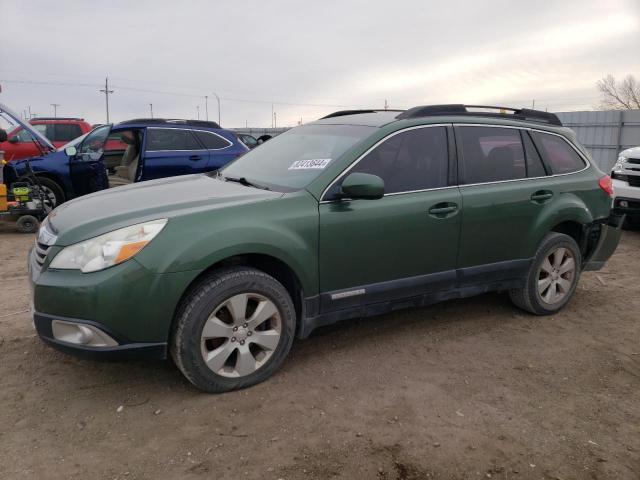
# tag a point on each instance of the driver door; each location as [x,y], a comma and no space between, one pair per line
[402,245]
[86,168]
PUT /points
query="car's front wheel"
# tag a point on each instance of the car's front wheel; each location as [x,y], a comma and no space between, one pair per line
[234,329]
[552,277]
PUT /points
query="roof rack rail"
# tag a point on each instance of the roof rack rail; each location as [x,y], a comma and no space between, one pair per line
[58,118]
[501,112]
[173,121]
[342,113]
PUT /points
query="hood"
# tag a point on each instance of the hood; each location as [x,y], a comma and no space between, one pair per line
[633,152]
[118,207]
[12,117]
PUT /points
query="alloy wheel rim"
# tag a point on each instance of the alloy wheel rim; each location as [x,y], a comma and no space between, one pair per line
[240,335]
[49,198]
[556,275]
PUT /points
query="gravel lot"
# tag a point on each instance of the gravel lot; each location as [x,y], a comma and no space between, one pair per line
[464,389]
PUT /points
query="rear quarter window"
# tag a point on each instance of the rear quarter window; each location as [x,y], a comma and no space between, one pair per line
[559,156]
[211,141]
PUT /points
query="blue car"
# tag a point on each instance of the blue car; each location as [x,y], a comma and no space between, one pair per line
[131,151]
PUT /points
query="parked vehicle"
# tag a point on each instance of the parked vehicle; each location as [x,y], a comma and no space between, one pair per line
[626,185]
[249,140]
[59,131]
[353,215]
[132,151]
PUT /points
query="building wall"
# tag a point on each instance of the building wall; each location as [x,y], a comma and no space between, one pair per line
[605,133]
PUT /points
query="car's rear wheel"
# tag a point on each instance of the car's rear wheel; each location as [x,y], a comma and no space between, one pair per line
[552,277]
[233,329]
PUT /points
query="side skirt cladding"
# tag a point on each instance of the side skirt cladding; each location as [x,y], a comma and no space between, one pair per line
[383,297]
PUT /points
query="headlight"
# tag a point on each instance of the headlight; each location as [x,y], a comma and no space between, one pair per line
[109,249]
[618,165]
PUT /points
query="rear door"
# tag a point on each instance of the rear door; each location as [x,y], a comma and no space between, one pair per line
[86,168]
[403,244]
[172,151]
[504,189]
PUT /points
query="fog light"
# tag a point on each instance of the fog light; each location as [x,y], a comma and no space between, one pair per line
[623,204]
[81,334]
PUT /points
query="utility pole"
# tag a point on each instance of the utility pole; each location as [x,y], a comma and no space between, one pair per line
[218,99]
[206,107]
[275,123]
[533,104]
[106,92]
[55,109]
[198,110]
[151,109]
[273,115]
[386,104]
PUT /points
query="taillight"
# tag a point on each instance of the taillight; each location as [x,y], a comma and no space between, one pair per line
[606,184]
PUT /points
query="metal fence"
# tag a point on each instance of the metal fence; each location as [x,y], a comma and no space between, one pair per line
[605,133]
[258,132]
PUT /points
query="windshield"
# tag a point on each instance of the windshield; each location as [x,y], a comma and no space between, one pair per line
[74,143]
[293,159]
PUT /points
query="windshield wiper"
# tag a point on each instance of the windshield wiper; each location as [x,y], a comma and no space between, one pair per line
[244,181]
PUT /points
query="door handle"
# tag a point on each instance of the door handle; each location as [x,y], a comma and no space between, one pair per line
[442,210]
[541,196]
[193,158]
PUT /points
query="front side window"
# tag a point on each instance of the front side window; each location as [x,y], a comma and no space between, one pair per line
[92,147]
[558,154]
[159,139]
[412,160]
[491,154]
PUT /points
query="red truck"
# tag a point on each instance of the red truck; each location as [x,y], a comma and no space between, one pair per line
[58,130]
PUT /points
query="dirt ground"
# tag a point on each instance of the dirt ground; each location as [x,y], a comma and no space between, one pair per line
[464,389]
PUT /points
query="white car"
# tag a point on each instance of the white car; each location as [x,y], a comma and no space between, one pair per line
[626,184]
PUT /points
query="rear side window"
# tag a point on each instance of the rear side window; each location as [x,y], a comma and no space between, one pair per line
[65,132]
[491,154]
[159,139]
[412,160]
[211,141]
[558,154]
[535,168]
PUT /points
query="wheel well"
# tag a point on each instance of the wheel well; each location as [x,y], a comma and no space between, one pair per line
[269,265]
[53,178]
[575,230]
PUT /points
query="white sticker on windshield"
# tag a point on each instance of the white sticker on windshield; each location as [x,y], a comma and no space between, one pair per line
[314,163]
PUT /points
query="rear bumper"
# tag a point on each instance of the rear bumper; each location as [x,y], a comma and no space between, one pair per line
[608,240]
[124,350]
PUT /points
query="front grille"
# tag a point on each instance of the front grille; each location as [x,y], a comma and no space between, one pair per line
[634,180]
[634,160]
[41,251]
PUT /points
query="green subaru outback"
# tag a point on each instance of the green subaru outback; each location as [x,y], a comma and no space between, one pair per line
[357,214]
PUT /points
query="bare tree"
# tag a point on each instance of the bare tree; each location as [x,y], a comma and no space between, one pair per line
[624,95]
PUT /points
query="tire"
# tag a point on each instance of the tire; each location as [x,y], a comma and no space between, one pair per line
[230,352]
[534,297]
[27,224]
[52,190]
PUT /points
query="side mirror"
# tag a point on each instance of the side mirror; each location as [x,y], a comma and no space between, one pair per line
[3,135]
[362,186]
[71,151]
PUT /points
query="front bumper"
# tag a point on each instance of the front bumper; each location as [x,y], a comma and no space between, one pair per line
[124,350]
[627,198]
[610,232]
[127,302]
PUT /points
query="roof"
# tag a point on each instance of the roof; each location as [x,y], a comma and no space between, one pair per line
[369,118]
[170,122]
[378,118]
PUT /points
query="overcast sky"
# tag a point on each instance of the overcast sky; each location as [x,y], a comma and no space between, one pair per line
[309,57]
